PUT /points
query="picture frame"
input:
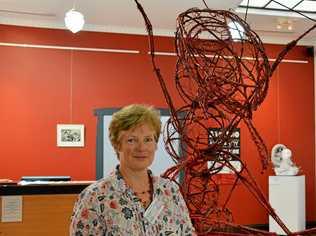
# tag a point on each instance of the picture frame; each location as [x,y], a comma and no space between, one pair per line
[70,135]
[233,146]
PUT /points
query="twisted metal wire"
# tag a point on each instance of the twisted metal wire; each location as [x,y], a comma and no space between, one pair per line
[221,81]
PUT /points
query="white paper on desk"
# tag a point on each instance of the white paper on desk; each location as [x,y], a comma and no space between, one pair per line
[11,210]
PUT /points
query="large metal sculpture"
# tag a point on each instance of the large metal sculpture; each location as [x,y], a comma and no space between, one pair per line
[221,81]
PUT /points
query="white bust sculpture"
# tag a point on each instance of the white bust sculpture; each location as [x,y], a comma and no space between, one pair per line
[281,158]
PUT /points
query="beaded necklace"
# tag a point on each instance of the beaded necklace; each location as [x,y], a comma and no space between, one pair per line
[143,194]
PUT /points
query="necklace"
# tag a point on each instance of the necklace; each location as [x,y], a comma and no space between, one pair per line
[146,196]
[143,192]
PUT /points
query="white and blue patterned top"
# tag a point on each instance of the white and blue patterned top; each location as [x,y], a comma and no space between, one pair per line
[110,208]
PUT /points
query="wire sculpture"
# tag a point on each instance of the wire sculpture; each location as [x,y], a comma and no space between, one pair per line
[221,81]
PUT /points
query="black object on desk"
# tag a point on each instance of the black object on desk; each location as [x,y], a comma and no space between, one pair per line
[45,178]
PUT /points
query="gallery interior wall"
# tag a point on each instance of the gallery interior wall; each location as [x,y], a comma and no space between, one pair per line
[42,87]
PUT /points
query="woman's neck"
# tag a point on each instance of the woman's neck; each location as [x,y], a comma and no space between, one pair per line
[141,184]
[137,180]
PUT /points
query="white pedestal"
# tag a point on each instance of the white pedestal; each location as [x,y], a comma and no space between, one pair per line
[287,197]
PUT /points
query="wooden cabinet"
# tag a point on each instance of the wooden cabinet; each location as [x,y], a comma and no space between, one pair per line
[46,209]
[47,215]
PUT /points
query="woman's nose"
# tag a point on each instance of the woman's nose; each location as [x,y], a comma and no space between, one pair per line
[140,145]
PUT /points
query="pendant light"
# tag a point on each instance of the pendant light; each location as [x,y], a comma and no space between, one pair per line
[74,20]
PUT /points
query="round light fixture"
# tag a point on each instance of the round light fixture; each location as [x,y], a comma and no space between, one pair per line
[74,20]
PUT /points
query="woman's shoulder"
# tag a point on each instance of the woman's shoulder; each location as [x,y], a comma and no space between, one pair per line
[101,186]
[165,182]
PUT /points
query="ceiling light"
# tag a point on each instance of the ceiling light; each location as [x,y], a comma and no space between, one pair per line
[74,20]
[285,24]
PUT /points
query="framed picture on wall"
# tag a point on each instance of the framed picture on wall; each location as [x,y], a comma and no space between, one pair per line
[70,135]
[233,146]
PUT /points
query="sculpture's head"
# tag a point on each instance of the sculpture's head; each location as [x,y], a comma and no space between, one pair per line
[286,154]
[216,68]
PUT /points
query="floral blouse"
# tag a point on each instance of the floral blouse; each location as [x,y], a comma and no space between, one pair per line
[109,207]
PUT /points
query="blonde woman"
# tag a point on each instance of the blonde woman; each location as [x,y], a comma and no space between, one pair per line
[131,201]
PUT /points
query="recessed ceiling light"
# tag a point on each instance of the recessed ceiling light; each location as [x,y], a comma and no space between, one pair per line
[285,24]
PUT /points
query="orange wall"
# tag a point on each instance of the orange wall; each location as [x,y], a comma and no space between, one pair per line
[40,88]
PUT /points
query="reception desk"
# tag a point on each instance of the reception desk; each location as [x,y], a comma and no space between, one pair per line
[46,209]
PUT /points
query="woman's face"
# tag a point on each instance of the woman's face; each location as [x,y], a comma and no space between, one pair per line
[137,147]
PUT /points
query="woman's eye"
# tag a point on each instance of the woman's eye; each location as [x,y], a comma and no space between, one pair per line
[148,140]
[131,140]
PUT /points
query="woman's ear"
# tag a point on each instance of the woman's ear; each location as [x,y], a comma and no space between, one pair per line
[117,147]
[117,150]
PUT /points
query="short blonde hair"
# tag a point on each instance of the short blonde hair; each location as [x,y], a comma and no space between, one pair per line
[131,116]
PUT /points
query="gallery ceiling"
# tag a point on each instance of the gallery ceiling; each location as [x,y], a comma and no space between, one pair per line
[122,16]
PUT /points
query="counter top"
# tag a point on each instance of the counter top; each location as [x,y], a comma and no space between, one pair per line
[71,187]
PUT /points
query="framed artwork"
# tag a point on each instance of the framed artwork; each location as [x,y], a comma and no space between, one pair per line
[70,135]
[233,146]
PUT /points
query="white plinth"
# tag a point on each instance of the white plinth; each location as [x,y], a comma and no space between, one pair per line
[287,197]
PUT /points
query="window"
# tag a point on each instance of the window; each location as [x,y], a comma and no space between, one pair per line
[306,6]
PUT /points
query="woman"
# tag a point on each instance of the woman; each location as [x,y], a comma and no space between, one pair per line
[131,201]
